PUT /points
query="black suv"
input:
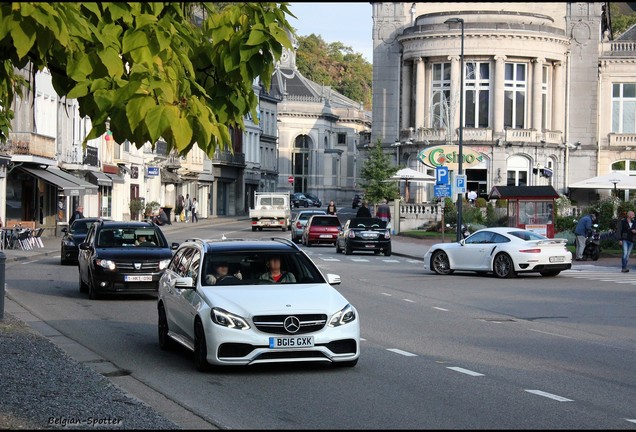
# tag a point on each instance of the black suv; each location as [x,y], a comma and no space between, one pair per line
[73,236]
[315,200]
[123,258]
[299,199]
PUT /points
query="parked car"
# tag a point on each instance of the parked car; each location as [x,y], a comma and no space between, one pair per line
[364,234]
[123,258]
[504,251]
[72,237]
[315,200]
[231,321]
[357,200]
[299,222]
[300,200]
[321,229]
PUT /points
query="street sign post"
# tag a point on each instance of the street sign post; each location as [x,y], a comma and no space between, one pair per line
[442,191]
[441,175]
[460,183]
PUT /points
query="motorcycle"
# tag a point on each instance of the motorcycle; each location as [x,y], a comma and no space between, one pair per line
[593,244]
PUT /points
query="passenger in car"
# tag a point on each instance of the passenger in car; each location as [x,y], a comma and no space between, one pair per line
[221,272]
[275,274]
[143,241]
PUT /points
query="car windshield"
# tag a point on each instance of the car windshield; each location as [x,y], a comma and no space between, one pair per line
[130,237]
[329,221]
[254,267]
[80,226]
[367,223]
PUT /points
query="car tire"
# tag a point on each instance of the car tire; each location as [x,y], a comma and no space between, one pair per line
[440,263]
[550,273]
[253,228]
[165,342]
[348,249]
[503,267]
[284,228]
[92,292]
[82,286]
[200,348]
[344,364]
[387,251]
[62,260]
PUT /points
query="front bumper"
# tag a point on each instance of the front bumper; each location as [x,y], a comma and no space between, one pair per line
[117,283]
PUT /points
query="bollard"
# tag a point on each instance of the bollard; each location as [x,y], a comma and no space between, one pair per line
[3,259]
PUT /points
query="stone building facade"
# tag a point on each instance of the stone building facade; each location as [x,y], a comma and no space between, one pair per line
[547,92]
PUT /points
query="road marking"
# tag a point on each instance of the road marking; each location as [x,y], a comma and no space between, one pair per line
[551,334]
[387,294]
[412,261]
[439,308]
[28,262]
[399,351]
[464,371]
[329,259]
[359,260]
[631,420]
[549,395]
[390,260]
[407,300]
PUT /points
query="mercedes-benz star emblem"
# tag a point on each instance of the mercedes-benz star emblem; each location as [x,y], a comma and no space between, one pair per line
[291,324]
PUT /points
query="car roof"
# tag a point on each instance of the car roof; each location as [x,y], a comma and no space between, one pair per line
[279,245]
[127,224]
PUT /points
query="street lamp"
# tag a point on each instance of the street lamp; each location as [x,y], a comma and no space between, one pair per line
[461,122]
[397,145]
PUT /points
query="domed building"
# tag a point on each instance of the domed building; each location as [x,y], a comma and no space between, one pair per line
[319,133]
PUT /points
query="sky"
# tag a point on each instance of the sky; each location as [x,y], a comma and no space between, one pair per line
[349,23]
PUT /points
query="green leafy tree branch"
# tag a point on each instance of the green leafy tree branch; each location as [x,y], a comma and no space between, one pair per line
[178,71]
[375,173]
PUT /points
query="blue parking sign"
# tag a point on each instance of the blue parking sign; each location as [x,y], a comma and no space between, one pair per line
[441,175]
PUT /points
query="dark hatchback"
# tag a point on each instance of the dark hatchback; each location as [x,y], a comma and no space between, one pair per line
[72,237]
[123,258]
[364,234]
[300,200]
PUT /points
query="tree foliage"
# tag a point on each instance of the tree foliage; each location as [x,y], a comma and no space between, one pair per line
[179,71]
[620,21]
[335,65]
[375,174]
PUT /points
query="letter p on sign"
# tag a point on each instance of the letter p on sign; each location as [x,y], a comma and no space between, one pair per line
[441,175]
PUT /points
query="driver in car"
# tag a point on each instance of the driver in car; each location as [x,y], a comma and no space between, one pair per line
[221,272]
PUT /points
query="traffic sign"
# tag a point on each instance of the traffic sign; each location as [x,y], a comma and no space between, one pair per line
[290,179]
[442,191]
[441,175]
[460,183]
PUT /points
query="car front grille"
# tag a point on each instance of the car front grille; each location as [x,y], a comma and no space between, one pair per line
[145,266]
[274,324]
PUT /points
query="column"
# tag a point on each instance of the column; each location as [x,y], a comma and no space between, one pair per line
[558,98]
[455,95]
[427,94]
[536,93]
[419,93]
[407,92]
[498,97]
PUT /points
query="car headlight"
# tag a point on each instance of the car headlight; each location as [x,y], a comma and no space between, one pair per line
[226,319]
[163,264]
[69,243]
[107,264]
[343,316]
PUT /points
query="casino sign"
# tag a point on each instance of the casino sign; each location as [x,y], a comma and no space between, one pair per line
[448,156]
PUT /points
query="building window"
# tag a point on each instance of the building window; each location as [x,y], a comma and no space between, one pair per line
[342,139]
[300,162]
[624,108]
[515,88]
[545,106]
[518,168]
[440,104]
[477,88]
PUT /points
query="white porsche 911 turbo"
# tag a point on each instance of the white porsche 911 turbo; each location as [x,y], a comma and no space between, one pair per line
[504,251]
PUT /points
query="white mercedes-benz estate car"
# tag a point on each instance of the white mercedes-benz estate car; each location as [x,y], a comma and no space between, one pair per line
[245,302]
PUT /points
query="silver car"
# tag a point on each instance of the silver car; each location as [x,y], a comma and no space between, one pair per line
[299,222]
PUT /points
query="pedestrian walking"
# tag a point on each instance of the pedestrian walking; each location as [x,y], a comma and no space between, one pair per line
[188,207]
[363,211]
[384,212]
[583,228]
[77,214]
[331,208]
[625,231]
[193,209]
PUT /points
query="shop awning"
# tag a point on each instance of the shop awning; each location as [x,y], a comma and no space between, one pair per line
[206,178]
[116,178]
[99,178]
[70,184]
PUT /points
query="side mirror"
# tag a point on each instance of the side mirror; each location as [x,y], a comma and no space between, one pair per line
[462,242]
[84,246]
[333,279]
[184,283]
[64,230]
[174,246]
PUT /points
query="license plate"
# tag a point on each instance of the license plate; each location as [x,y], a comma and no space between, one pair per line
[138,278]
[557,259]
[369,245]
[291,342]
[369,235]
[325,235]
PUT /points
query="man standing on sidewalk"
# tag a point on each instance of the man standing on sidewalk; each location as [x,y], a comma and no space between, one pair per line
[625,231]
[581,231]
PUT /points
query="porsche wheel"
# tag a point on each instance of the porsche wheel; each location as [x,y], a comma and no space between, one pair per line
[440,263]
[503,267]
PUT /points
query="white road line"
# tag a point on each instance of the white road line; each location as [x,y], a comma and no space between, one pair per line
[549,395]
[359,260]
[330,259]
[465,371]
[28,262]
[551,334]
[391,260]
[631,420]
[407,300]
[439,308]
[387,294]
[412,261]
[399,351]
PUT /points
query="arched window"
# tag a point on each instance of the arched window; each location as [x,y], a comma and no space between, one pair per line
[300,162]
[518,169]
